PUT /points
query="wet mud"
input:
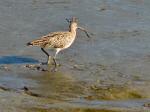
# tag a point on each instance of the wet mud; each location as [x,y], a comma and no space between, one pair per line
[108,72]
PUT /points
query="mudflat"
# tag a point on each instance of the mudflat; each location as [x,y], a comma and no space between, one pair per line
[106,73]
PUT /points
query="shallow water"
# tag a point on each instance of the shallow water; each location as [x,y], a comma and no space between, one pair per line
[106,73]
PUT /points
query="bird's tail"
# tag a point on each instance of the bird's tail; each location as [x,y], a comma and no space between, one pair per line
[38,42]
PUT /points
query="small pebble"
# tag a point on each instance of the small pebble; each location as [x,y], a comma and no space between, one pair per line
[4,68]
[35,67]
[79,67]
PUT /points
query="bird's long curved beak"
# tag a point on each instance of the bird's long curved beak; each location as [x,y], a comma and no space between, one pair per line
[86,32]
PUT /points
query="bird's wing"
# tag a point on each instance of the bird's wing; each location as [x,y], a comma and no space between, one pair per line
[58,39]
[51,35]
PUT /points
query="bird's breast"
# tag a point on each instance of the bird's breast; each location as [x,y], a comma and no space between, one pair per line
[69,41]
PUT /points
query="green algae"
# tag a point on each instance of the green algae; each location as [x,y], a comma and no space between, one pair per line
[114,93]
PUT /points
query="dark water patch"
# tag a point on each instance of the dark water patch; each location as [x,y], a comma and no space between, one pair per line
[16,60]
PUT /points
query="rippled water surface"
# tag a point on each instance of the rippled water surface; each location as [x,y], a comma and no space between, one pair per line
[108,72]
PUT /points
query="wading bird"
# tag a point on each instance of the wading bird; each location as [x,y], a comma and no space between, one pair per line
[58,40]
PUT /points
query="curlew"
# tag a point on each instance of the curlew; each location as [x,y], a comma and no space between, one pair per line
[58,40]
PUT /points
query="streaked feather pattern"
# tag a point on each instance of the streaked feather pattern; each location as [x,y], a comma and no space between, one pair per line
[57,40]
[53,40]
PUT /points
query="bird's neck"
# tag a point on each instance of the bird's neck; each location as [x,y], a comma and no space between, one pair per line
[73,30]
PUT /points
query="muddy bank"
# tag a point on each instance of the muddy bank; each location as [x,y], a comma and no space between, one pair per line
[108,72]
[36,90]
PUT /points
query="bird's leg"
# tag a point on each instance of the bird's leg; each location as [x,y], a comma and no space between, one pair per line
[49,57]
[55,62]
[54,59]
[55,65]
[49,60]
[57,51]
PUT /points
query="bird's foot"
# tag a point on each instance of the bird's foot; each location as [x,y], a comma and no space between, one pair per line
[45,63]
[57,64]
[49,61]
[52,68]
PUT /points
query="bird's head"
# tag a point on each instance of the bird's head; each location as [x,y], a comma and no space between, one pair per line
[73,23]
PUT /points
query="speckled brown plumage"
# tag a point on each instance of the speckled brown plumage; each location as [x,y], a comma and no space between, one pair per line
[54,40]
[57,40]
